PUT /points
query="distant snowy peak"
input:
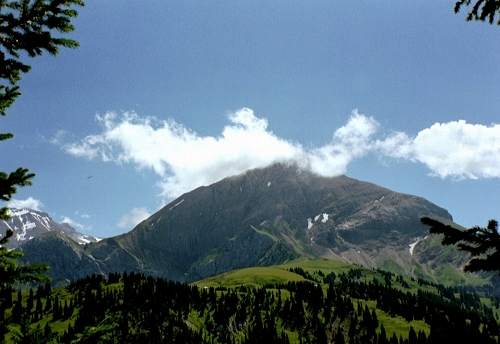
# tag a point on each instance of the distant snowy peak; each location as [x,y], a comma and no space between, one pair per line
[28,224]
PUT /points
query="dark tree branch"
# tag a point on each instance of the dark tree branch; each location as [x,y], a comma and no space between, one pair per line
[481,243]
[482,10]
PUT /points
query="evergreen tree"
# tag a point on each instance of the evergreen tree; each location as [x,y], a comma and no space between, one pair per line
[27,27]
[412,336]
[17,310]
[12,272]
[382,338]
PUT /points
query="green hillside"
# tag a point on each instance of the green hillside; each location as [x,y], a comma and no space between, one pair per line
[253,277]
[301,301]
[315,270]
[261,276]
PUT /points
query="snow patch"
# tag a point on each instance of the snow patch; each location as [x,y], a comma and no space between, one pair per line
[18,212]
[176,204]
[21,236]
[321,217]
[325,218]
[29,225]
[43,220]
[83,240]
[309,223]
[413,244]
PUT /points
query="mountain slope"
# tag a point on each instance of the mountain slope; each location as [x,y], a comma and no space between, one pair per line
[272,215]
[65,257]
[267,216]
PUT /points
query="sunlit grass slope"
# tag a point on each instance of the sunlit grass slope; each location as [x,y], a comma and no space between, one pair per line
[260,276]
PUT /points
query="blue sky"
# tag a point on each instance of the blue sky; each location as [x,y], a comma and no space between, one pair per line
[303,66]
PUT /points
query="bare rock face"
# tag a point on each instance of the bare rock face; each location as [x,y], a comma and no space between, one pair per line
[267,216]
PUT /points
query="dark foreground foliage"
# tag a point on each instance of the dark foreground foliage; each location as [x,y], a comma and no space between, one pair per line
[482,243]
[133,308]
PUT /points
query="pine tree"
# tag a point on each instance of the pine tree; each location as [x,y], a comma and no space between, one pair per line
[30,301]
[382,338]
[38,309]
[412,336]
[47,332]
[27,27]
[17,310]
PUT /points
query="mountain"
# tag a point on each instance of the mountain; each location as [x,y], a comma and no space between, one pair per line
[29,224]
[269,216]
[66,258]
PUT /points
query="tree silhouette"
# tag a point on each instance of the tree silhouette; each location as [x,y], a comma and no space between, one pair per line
[483,243]
[27,27]
[12,272]
[482,10]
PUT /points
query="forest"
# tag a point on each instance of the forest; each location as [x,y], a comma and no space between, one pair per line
[348,307]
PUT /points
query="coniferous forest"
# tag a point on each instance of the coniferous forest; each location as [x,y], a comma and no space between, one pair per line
[346,307]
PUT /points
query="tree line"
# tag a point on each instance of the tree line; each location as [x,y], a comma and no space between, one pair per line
[130,308]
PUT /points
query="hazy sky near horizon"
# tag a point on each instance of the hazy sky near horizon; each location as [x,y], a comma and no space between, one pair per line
[162,97]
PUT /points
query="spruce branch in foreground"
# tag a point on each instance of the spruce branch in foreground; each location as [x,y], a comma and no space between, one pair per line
[483,243]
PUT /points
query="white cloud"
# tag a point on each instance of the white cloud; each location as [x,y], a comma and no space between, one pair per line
[72,223]
[396,145]
[133,218]
[455,149]
[82,215]
[351,141]
[59,137]
[185,160]
[29,202]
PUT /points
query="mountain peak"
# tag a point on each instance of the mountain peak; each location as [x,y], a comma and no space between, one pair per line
[29,224]
[265,216]
[261,217]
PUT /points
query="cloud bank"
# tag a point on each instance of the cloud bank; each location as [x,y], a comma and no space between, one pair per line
[30,202]
[454,149]
[185,160]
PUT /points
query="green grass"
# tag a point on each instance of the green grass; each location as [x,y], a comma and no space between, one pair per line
[489,303]
[259,276]
[398,325]
[450,276]
[325,265]
[210,257]
[250,277]
[392,266]
[263,232]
